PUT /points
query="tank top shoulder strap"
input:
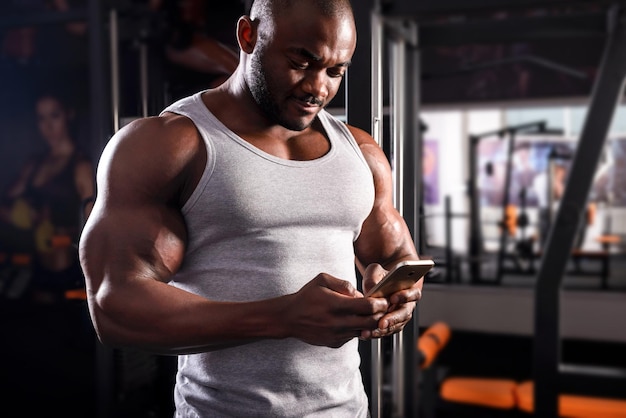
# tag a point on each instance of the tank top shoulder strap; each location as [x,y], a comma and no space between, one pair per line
[194,108]
[340,127]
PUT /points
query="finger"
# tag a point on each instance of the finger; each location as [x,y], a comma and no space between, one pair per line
[389,330]
[412,294]
[367,306]
[358,324]
[366,318]
[394,321]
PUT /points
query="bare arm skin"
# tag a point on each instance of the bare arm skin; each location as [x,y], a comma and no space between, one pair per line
[134,241]
[385,240]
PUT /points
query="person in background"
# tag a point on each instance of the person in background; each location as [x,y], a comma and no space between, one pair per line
[229,230]
[548,187]
[47,203]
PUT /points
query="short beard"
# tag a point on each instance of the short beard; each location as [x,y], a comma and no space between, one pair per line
[260,89]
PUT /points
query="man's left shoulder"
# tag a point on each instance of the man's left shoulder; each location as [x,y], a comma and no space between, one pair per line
[360,135]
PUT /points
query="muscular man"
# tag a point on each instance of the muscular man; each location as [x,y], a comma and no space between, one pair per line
[227,229]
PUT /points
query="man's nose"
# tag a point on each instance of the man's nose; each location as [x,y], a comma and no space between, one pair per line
[315,84]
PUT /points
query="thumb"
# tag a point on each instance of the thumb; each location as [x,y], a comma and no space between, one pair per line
[372,275]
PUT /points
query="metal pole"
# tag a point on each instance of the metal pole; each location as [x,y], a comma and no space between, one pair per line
[397,59]
[377,129]
[97,79]
[104,356]
[397,117]
[504,233]
[143,77]
[115,70]
[377,77]
[475,236]
[413,197]
[448,233]
[365,111]
[550,192]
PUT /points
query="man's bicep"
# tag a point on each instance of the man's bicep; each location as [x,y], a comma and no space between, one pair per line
[123,244]
[133,231]
[125,264]
[384,239]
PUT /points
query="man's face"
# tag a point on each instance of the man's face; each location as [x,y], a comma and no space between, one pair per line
[298,63]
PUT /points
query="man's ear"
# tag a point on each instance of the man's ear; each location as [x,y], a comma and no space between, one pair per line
[246,34]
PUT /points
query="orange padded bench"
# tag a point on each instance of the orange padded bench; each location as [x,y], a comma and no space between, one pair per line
[490,393]
[574,406]
[508,394]
[505,394]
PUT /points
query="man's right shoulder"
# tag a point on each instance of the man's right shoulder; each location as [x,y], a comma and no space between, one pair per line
[164,125]
[156,149]
[170,133]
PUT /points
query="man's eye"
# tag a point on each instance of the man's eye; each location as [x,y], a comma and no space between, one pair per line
[336,73]
[300,65]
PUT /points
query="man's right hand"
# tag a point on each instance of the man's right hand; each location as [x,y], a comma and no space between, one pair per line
[329,311]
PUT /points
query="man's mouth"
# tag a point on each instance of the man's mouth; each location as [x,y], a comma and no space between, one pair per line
[310,101]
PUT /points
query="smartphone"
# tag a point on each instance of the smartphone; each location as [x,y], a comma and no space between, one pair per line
[402,276]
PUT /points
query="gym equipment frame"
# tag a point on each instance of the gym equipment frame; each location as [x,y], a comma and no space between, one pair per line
[607,92]
[476,239]
[366,112]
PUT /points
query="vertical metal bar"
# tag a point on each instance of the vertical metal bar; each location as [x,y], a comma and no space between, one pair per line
[365,111]
[97,79]
[377,76]
[550,192]
[143,77]
[504,233]
[607,91]
[448,233]
[412,190]
[475,233]
[104,356]
[115,70]
[397,117]
[412,200]
[376,24]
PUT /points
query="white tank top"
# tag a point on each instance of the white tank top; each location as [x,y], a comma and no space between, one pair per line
[261,227]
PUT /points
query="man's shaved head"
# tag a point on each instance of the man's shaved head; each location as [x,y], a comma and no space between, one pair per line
[294,55]
[268,12]
[328,8]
